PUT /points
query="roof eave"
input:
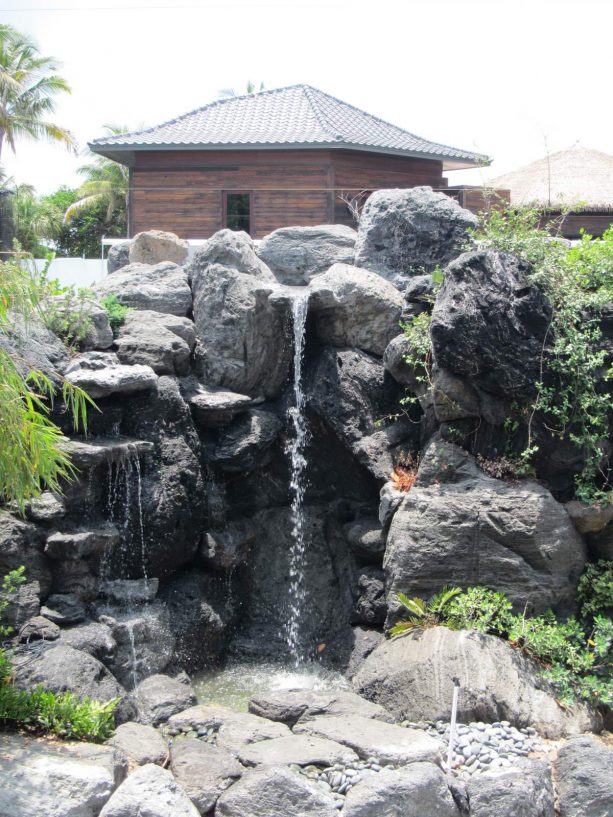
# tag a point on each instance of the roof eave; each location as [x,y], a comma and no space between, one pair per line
[124,154]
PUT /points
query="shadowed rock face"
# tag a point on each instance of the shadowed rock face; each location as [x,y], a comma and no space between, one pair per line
[489,324]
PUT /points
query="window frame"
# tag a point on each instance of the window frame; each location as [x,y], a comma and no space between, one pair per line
[224,208]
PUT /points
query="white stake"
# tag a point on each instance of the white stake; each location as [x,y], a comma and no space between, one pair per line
[454,713]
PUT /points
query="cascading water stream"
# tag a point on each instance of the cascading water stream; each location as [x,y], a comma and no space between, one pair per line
[297,588]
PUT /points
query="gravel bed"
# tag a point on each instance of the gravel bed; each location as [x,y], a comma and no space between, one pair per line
[207,734]
[480,746]
[339,778]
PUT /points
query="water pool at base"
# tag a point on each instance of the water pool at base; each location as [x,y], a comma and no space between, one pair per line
[238,681]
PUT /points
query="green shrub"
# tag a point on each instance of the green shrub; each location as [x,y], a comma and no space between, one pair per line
[59,714]
[116,311]
[595,590]
[570,402]
[575,657]
[39,711]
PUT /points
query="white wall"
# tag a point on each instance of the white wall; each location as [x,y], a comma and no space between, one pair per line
[80,272]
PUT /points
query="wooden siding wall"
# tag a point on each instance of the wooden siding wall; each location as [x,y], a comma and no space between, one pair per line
[357,171]
[181,191]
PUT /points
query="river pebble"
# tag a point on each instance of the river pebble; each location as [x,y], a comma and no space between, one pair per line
[479,746]
[341,777]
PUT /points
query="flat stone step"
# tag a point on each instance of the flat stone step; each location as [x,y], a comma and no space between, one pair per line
[304,750]
[89,454]
[372,738]
[78,544]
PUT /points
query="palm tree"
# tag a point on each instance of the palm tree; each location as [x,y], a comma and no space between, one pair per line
[105,182]
[28,85]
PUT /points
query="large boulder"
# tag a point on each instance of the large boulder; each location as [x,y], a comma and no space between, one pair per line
[413,678]
[302,750]
[152,792]
[160,696]
[409,232]
[118,256]
[373,738]
[21,605]
[155,246]
[247,443]
[525,790]
[354,307]
[61,668]
[203,771]
[489,324]
[243,336]
[458,526]
[93,638]
[416,790]
[161,287]
[232,249]
[33,346]
[21,543]
[583,773]
[55,780]
[100,374]
[235,730]
[144,641]
[349,390]
[162,341]
[296,254]
[275,791]
[140,743]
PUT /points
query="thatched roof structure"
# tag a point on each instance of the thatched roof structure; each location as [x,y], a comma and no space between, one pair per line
[569,177]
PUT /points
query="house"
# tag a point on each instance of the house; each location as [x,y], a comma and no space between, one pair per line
[578,177]
[288,156]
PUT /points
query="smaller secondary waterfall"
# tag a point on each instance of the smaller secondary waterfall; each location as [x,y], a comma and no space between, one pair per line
[297,589]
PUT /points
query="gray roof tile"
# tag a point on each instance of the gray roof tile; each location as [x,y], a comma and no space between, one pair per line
[298,115]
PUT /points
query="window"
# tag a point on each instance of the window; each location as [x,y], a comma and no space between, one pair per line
[237,211]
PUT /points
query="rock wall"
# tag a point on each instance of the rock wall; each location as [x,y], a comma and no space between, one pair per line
[174,539]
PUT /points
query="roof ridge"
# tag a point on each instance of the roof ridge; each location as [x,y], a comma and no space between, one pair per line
[386,122]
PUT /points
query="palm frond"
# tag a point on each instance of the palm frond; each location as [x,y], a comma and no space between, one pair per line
[416,606]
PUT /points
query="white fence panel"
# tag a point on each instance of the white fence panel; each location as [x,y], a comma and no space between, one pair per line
[78,272]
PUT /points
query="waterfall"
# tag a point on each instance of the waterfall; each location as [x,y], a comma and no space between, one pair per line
[297,589]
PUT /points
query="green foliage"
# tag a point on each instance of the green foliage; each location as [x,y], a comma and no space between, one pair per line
[422,613]
[595,589]
[578,281]
[81,235]
[60,714]
[10,584]
[478,608]
[116,311]
[419,356]
[32,455]
[67,314]
[576,656]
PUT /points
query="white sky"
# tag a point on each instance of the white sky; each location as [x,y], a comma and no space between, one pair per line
[510,79]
